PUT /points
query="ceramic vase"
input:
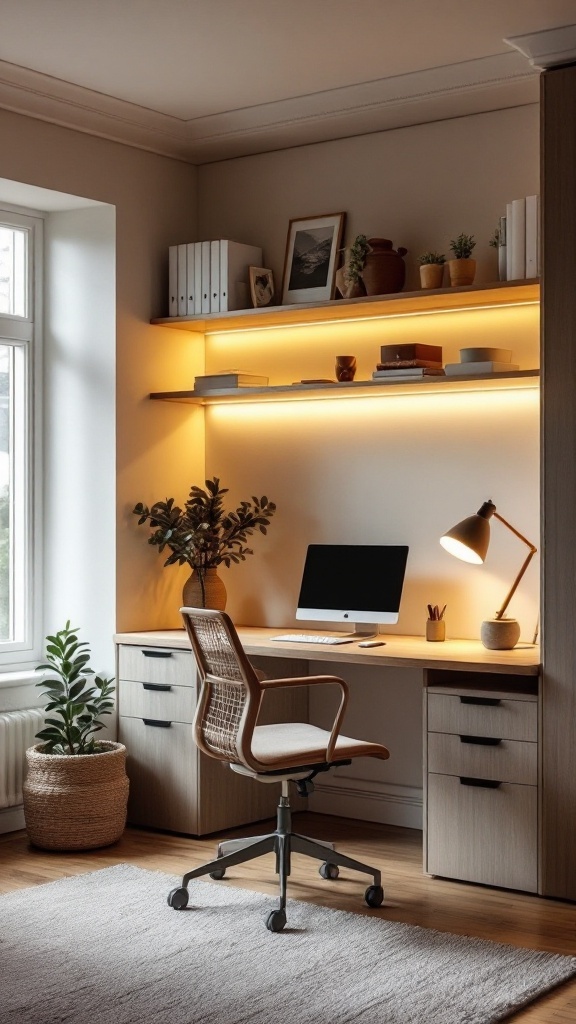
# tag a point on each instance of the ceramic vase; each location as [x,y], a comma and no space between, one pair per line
[431,275]
[206,592]
[500,634]
[462,271]
[384,268]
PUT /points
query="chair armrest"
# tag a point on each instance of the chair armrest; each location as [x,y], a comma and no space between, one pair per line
[271,684]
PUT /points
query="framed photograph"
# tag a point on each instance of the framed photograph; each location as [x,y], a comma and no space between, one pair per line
[261,286]
[311,258]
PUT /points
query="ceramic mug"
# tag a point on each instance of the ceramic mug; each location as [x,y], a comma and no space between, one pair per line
[345,367]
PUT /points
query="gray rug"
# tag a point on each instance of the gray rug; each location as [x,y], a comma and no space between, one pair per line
[105,948]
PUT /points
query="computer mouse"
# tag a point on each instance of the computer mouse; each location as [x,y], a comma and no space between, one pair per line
[372,643]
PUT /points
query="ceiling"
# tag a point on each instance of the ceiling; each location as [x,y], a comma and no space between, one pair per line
[205,80]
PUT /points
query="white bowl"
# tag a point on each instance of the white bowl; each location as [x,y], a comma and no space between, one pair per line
[479,355]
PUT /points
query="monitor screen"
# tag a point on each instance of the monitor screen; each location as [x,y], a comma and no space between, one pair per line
[352,583]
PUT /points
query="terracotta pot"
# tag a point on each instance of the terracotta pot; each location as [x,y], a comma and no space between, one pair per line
[212,595]
[384,268]
[431,275]
[75,802]
[462,271]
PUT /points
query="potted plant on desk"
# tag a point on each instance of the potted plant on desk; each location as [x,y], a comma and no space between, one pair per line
[203,535]
[76,788]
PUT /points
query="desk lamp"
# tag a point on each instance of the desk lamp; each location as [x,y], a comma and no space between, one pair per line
[469,541]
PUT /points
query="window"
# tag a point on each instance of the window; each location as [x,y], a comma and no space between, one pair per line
[20,277]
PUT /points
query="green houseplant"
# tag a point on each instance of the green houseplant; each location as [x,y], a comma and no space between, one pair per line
[76,788]
[462,268]
[203,535]
[431,269]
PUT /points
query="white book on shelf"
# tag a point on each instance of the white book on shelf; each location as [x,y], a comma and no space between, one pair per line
[205,277]
[502,251]
[197,278]
[172,280]
[235,259]
[182,283]
[532,236]
[215,276]
[190,279]
[517,236]
[509,242]
[481,366]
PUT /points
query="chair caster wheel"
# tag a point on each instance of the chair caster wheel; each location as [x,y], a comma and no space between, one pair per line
[276,920]
[217,874]
[374,895]
[328,870]
[178,898]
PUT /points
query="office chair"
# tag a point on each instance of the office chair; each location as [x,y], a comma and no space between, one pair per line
[225,727]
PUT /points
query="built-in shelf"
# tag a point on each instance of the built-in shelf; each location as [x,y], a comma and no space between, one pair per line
[505,293]
[356,389]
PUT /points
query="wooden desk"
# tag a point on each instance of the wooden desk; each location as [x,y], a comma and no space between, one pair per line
[481,753]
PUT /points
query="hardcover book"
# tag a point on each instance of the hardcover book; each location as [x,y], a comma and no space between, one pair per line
[485,366]
[229,379]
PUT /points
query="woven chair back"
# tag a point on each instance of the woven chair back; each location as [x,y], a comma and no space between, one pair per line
[229,697]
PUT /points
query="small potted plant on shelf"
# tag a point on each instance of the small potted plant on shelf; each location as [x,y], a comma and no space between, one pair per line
[462,268]
[349,277]
[203,536]
[76,787]
[431,269]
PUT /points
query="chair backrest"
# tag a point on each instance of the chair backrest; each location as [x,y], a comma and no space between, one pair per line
[230,694]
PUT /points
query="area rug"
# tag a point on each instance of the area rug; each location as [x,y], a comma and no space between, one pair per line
[105,948]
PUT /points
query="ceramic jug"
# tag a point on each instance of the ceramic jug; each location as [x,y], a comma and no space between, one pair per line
[384,269]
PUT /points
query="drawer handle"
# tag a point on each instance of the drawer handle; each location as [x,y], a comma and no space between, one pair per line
[164,687]
[482,741]
[156,654]
[491,702]
[157,722]
[483,783]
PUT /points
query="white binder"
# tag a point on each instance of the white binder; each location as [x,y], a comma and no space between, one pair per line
[235,258]
[215,276]
[190,279]
[205,255]
[197,278]
[182,283]
[172,280]
[532,237]
[516,239]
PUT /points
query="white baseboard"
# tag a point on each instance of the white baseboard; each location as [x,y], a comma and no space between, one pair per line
[365,800]
[11,819]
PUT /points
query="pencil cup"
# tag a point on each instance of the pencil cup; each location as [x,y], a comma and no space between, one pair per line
[435,629]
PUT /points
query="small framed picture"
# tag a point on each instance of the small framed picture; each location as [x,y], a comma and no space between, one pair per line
[311,257]
[261,286]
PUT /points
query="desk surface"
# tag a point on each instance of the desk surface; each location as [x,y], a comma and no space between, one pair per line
[398,652]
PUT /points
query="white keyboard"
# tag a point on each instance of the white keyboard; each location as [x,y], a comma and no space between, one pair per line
[307,638]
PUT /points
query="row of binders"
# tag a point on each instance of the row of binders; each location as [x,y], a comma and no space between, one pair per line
[210,277]
[519,240]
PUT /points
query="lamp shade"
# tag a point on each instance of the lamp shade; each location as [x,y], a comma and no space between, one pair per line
[469,539]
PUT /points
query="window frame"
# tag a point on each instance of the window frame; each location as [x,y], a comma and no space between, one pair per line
[25,335]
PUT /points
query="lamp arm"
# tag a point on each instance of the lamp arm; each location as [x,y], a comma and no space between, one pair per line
[525,564]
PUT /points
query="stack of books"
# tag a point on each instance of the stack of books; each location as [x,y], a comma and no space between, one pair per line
[409,362]
[210,277]
[228,379]
[519,240]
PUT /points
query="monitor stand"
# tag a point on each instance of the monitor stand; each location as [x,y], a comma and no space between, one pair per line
[363,631]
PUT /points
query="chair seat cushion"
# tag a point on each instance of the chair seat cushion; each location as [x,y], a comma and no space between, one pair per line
[297,743]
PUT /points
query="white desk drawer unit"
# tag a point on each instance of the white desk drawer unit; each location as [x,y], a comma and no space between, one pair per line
[482,787]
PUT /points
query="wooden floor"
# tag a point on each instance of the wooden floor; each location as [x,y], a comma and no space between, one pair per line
[409,895]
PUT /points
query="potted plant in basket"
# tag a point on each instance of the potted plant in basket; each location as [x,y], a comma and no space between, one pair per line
[462,268]
[431,269]
[76,788]
[203,535]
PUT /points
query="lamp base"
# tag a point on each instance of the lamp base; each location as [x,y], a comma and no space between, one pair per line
[500,634]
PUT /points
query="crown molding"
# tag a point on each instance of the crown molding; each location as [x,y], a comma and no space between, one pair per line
[549,48]
[503,80]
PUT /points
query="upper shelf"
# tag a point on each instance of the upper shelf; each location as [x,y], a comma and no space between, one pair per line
[505,293]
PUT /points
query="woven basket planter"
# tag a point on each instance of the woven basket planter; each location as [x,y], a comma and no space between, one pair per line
[75,802]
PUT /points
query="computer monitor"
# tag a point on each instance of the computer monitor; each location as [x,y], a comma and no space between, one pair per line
[356,584]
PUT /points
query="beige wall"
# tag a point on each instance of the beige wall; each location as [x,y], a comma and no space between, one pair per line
[383,470]
[157,451]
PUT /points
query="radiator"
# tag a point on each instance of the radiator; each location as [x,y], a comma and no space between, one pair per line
[17,732]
